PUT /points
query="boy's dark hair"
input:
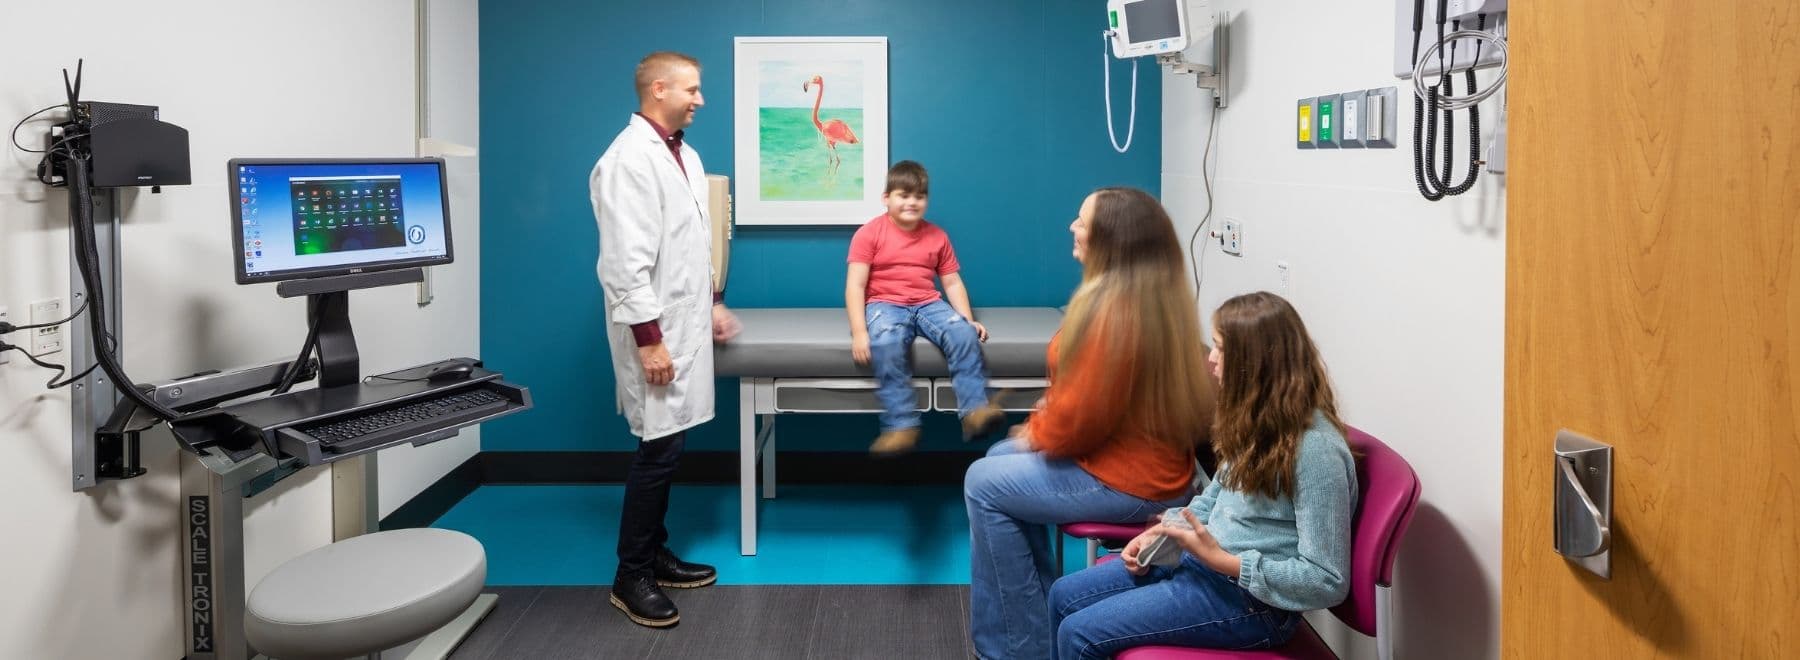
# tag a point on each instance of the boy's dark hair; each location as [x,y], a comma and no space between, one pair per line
[908,176]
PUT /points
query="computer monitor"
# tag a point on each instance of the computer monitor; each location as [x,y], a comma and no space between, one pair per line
[300,218]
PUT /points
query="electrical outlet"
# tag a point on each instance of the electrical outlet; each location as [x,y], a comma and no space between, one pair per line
[46,341]
[1231,240]
[5,356]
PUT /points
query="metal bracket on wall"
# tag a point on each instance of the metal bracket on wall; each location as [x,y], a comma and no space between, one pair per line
[92,398]
[1216,76]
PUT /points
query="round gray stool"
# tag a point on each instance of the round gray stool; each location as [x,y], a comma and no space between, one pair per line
[365,594]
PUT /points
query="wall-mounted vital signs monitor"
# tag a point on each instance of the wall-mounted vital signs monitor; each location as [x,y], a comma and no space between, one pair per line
[1147,27]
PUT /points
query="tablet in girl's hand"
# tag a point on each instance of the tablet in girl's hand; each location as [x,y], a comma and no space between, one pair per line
[1161,551]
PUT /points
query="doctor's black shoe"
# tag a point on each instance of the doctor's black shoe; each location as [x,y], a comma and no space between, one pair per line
[644,602]
[671,571]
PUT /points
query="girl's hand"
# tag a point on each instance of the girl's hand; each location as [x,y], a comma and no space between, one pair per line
[1197,541]
[1135,547]
[1200,543]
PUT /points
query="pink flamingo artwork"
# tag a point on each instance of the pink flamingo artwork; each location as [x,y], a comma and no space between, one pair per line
[831,131]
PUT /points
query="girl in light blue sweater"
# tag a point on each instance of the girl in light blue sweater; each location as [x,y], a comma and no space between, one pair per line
[1268,538]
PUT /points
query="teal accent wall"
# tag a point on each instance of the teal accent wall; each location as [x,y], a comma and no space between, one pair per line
[999,99]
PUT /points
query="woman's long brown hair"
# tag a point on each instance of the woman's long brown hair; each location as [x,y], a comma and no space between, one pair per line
[1272,384]
[1134,292]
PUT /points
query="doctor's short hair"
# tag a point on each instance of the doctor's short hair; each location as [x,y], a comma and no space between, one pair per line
[908,176]
[659,65]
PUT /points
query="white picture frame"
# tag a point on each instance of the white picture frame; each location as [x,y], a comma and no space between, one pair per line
[810,154]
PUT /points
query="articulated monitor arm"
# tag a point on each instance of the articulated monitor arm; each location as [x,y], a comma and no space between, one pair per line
[116,441]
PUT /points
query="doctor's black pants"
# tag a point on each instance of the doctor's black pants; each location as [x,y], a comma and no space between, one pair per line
[641,529]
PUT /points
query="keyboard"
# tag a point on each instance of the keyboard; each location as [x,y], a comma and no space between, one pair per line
[407,419]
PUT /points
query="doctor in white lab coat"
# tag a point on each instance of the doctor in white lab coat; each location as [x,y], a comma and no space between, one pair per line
[662,317]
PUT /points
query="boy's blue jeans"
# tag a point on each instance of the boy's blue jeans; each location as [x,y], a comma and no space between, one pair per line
[891,331]
[1104,610]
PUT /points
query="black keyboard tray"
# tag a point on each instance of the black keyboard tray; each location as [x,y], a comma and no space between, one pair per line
[279,422]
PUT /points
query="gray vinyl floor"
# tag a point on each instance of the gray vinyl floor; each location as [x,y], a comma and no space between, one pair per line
[822,622]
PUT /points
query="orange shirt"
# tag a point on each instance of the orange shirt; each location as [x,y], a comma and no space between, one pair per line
[1084,419]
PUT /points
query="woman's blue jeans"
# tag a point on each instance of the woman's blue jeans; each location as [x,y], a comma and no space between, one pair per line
[1015,500]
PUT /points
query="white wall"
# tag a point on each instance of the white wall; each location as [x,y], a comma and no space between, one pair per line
[452,113]
[1404,296]
[336,79]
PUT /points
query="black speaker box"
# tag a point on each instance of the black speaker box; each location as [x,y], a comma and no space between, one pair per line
[131,147]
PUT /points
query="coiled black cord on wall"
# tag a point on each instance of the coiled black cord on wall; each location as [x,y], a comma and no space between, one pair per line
[1433,185]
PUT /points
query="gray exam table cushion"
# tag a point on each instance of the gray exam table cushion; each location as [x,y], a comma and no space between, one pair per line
[815,343]
[366,593]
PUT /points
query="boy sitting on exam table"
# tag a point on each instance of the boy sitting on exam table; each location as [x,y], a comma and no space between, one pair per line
[891,298]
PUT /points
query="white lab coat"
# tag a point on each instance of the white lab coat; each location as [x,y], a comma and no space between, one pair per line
[656,263]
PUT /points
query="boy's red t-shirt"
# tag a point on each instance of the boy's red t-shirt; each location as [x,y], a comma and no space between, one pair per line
[902,264]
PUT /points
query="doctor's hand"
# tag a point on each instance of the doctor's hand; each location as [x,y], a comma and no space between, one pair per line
[659,370]
[725,324]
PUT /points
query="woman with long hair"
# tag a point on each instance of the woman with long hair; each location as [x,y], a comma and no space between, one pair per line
[1113,438]
[1268,539]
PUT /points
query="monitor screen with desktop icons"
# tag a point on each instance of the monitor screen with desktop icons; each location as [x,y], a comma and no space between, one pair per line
[303,218]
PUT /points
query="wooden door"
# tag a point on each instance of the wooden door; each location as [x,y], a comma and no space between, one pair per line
[1653,303]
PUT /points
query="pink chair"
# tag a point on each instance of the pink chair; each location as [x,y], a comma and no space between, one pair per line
[1096,533]
[1390,492]
[1100,532]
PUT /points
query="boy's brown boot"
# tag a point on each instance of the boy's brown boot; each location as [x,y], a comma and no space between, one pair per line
[895,442]
[984,421]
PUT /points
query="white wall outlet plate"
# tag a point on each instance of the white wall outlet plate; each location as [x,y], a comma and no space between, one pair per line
[47,341]
[1232,239]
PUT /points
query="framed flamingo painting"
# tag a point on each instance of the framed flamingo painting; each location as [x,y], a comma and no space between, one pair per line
[811,125]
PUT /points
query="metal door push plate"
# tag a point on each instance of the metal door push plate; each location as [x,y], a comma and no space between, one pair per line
[1583,502]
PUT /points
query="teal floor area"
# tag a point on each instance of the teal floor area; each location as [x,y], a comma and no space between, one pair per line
[548,535]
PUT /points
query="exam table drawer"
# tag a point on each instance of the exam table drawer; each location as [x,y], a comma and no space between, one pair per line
[1021,396]
[802,395]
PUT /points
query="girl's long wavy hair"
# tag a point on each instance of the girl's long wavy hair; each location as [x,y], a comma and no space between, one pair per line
[1134,291]
[1271,384]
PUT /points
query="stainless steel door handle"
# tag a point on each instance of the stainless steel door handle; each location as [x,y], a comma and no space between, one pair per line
[1583,502]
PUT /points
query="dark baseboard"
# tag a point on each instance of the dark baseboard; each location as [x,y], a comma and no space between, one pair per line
[438,498]
[706,467]
[721,467]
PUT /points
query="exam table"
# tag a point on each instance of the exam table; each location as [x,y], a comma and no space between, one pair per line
[797,360]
